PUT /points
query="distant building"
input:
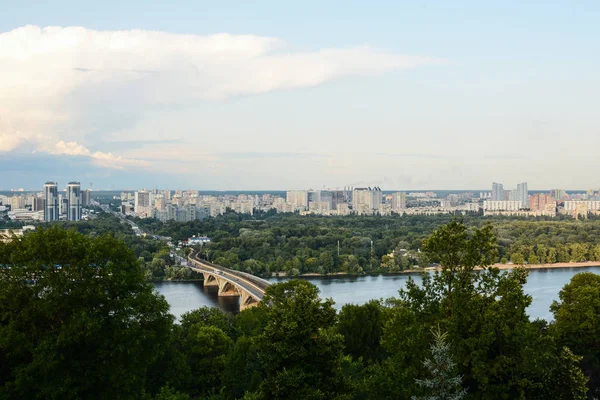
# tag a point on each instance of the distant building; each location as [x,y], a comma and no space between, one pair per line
[200,240]
[571,205]
[501,205]
[37,204]
[366,200]
[74,201]
[298,199]
[337,197]
[51,201]
[540,201]
[398,201]
[559,195]
[17,202]
[319,207]
[6,235]
[523,194]
[86,197]
[497,191]
[141,203]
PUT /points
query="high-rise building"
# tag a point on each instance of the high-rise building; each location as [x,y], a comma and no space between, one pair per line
[17,202]
[141,202]
[497,192]
[37,204]
[398,201]
[298,199]
[523,194]
[337,197]
[74,201]
[86,197]
[319,196]
[539,202]
[558,194]
[51,201]
[366,200]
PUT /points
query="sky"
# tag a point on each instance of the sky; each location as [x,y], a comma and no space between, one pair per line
[259,95]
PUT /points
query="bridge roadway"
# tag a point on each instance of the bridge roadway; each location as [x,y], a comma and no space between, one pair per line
[249,288]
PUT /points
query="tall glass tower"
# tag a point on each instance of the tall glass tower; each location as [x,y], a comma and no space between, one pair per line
[51,201]
[74,201]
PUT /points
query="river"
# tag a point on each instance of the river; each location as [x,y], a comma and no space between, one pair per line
[542,284]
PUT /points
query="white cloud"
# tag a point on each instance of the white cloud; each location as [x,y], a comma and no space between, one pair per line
[107,160]
[61,86]
[10,141]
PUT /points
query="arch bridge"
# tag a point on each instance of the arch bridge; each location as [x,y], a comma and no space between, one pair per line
[249,288]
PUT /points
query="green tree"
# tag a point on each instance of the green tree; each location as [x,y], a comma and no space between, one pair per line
[362,328]
[209,316]
[351,265]
[517,258]
[459,252]
[444,383]
[595,253]
[169,393]
[75,315]
[577,323]
[299,351]
[567,381]
[206,349]
[498,351]
[327,262]
[578,252]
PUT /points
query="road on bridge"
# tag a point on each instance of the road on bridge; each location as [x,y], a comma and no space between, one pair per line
[250,283]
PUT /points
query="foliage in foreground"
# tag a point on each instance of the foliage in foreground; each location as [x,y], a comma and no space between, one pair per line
[78,320]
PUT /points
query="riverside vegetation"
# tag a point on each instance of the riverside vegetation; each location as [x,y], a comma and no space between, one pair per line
[79,320]
[269,243]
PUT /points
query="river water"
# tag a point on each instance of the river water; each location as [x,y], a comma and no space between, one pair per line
[542,284]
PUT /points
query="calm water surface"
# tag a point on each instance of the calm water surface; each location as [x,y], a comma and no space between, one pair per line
[543,285]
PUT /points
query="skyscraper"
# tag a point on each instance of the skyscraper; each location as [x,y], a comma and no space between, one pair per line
[298,199]
[523,194]
[51,201]
[398,201]
[497,191]
[86,197]
[141,202]
[74,201]
[366,200]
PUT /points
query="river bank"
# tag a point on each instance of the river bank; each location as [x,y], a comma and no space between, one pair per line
[583,264]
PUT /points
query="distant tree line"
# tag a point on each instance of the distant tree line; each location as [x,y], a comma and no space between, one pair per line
[268,243]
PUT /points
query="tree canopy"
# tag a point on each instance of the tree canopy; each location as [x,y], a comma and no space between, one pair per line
[79,320]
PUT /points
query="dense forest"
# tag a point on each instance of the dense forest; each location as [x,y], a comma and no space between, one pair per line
[78,320]
[268,243]
[154,255]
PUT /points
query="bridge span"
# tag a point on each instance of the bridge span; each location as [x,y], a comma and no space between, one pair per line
[249,288]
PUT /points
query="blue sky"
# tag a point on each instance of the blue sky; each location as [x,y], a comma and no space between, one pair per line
[407,94]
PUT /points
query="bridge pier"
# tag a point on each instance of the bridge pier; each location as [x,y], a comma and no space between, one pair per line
[247,301]
[210,279]
[226,288]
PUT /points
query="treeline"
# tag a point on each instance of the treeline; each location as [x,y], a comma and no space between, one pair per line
[89,326]
[153,255]
[268,243]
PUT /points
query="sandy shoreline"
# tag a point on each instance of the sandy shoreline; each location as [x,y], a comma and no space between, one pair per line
[554,265]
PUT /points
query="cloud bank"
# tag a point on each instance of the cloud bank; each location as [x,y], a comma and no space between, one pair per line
[62,89]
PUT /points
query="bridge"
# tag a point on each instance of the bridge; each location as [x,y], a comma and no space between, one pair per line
[249,288]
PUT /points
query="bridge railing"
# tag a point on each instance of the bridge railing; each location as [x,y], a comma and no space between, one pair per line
[259,282]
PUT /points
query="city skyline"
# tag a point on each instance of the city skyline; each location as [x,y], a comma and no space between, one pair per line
[399,95]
